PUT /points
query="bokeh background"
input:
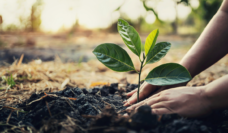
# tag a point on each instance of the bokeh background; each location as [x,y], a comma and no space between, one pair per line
[59,35]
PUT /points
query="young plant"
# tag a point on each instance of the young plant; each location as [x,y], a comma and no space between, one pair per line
[117,59]
[9,81]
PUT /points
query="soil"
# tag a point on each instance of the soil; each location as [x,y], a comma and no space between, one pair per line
[98,110]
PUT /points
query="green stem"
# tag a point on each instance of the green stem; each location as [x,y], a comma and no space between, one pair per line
[139,78]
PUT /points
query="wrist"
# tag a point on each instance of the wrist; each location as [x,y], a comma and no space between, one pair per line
[216,93]
[189,66]
[206,98]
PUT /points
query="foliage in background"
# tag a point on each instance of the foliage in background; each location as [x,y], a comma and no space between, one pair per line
[194,23]
[31,22]
[207,9]
[35,17]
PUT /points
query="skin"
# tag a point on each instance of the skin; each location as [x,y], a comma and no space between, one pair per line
[210,47]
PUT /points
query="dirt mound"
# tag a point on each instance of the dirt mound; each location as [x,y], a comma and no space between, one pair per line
[98,110]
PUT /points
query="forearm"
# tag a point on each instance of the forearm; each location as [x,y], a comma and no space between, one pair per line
[216,93]
[212,44]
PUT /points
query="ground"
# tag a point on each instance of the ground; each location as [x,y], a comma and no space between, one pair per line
[48,63]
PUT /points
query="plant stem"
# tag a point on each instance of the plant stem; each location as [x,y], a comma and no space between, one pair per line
[139,78]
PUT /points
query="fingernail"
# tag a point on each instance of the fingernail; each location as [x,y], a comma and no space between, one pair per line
[127,103]
[124,101]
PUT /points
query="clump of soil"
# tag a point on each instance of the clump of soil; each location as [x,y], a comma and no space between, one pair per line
[98,110]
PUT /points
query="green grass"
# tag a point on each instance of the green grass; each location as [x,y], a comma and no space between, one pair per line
[9,81]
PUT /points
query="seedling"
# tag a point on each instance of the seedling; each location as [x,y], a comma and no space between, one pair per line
[117,59]
[9,81]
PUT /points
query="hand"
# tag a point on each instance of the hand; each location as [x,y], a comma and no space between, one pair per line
[185,101]
[145,91]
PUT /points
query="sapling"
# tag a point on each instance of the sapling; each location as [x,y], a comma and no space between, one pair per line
[117,59]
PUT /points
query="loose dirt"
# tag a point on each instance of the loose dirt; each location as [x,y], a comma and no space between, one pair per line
[98,110]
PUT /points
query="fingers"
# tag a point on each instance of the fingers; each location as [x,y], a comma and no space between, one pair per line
[161,111]
[135,90]
[149,101]
[159,105]
[156,99]
[136,105]
[131,100]
[162,108]
[145,90]
[145,102]
[125,115]
[132,92]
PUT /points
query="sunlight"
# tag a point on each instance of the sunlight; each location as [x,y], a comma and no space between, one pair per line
[91,14]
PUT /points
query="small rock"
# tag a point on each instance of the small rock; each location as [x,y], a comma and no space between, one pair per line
[85,91]
[77,91]
[143,119]
[104,91]
[87,109]
[93,91]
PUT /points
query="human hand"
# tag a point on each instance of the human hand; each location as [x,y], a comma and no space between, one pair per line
[145,91]
[185,101]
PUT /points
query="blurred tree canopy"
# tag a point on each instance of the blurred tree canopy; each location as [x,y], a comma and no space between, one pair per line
[200,16]
[31,22]
[207,9]
[35,19]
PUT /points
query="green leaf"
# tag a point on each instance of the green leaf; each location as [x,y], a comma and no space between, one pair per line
[114,57]
[168,74]
[159,51]
[130,36]
[151,40]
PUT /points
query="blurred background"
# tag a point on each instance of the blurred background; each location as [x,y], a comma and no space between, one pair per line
[68,30]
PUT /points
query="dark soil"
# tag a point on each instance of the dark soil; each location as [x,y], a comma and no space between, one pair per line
[98,110]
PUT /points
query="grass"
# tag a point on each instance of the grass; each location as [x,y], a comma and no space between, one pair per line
[9,81]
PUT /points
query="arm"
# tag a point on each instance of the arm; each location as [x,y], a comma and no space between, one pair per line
[217,93]
[212,44]
[210,47]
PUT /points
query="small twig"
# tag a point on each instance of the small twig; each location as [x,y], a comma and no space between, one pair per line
[71,106]
[45,95]
[7,121]
[73,92]
[159,118]
[48,108]
[73,123]
[99,108]
[72,98]
[107,103]
[51,95]
[10,108]
[20,61]
[96,109]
